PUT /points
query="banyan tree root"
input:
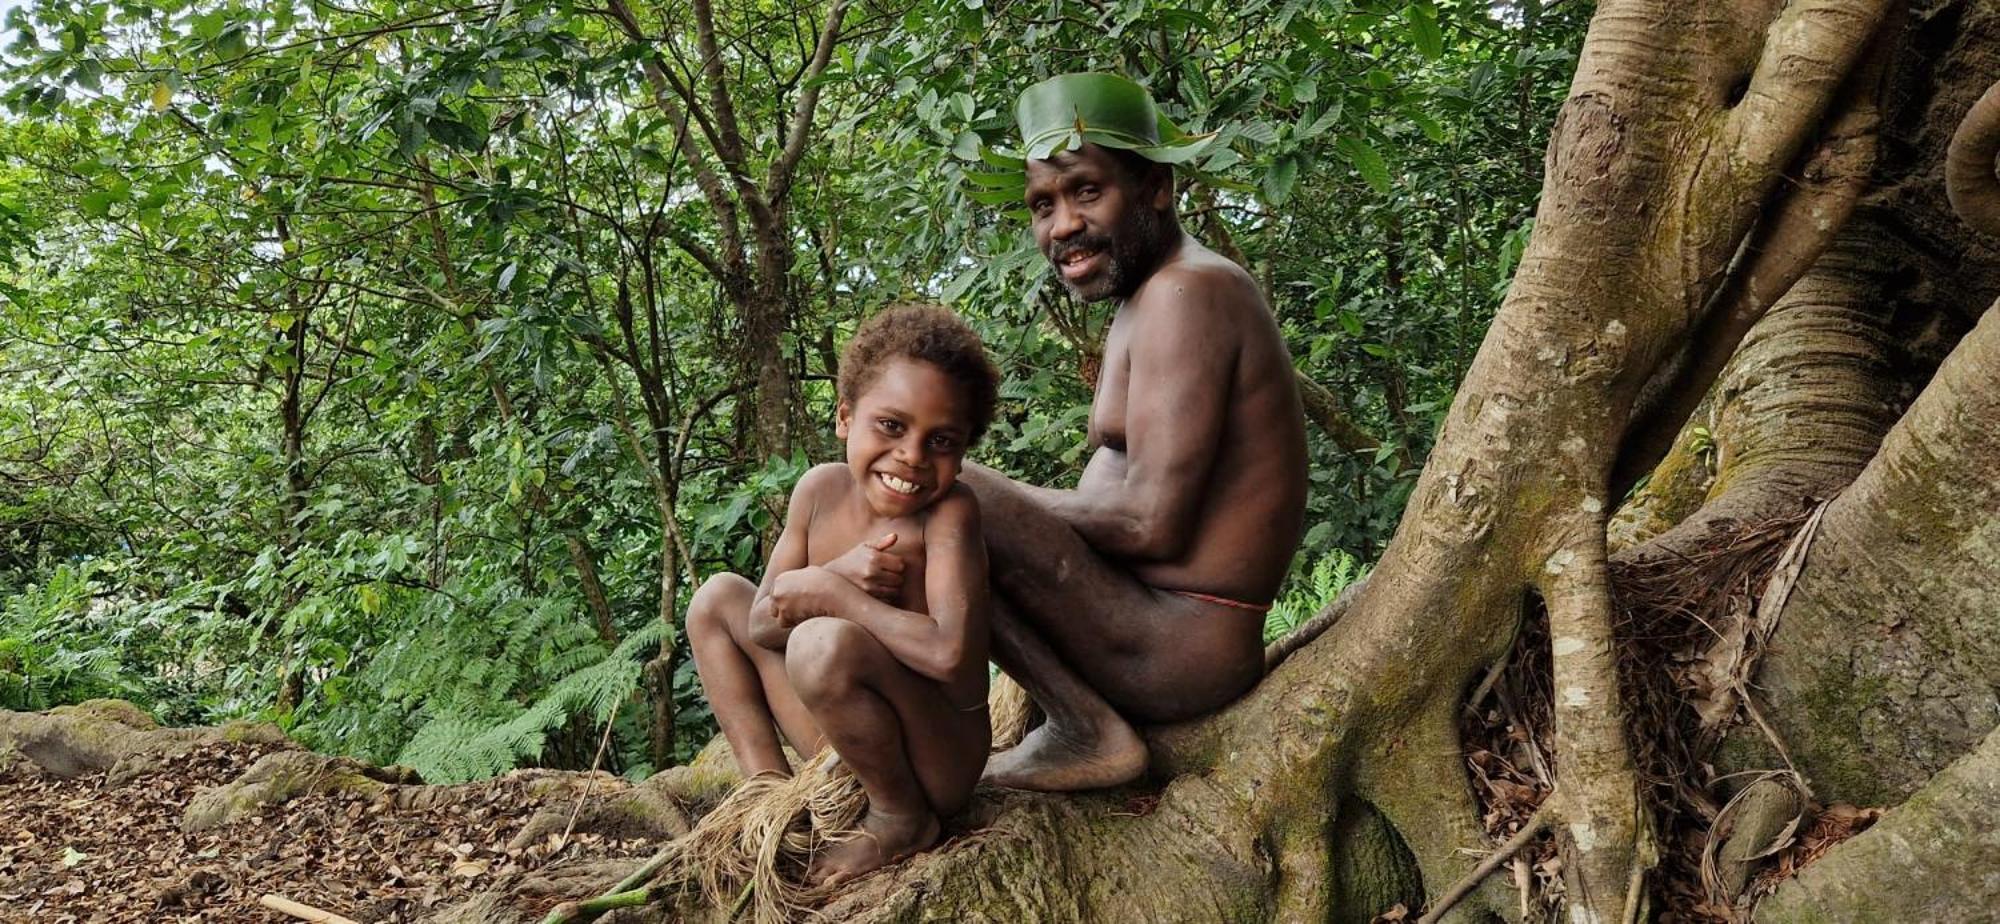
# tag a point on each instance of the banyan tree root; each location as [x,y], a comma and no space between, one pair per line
[752,851]
[1970,177]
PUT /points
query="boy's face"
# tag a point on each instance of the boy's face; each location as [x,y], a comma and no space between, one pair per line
[906,435]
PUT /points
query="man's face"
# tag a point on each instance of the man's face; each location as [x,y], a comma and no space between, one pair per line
[1099,224]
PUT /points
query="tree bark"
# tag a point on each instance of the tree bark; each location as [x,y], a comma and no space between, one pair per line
[1938,848]
[292,417]
[1883,667]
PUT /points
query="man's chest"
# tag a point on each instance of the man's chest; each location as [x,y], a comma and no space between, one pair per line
[1113,396]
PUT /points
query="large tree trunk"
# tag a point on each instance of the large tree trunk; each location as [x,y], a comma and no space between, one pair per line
[1708,158]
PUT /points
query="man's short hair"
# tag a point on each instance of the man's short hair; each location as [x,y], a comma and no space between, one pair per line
[1136,165]
[932,334]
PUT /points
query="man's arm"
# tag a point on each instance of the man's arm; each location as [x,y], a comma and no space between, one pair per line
[1183,359]
[943,644]
[787,554]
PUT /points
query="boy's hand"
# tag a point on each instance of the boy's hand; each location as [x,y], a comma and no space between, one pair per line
[802,594]
[870,567]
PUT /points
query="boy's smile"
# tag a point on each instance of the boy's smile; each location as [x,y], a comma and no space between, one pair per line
[906,435]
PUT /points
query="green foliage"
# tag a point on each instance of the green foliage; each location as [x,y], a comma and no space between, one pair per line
[339,345]
[54,649]
[475,736]
[1305,596]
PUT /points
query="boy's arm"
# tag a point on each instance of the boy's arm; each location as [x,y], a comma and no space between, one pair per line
[788,554]
[941,645]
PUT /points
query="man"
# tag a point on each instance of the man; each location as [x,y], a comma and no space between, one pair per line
[1141,592]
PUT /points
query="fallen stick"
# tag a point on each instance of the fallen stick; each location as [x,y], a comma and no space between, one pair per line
[284,905]
[628,887]
[1486,867]
[638,877]
[592,909]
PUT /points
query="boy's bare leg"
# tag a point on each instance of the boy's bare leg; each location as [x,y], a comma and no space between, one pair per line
[745,682]
[915,753]
[1094,646]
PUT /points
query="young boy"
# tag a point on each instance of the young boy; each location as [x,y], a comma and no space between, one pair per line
[893,675]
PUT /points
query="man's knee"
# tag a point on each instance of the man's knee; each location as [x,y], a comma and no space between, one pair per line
[824,656]
[713,606]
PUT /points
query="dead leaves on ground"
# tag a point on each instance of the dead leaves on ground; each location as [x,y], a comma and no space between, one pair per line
[82,851]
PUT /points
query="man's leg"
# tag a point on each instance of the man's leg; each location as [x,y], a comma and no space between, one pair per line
[1091,644]
[915,753]
[745,682]
[1082,743]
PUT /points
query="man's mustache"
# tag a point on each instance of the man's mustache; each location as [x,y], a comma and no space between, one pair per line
[1059,252]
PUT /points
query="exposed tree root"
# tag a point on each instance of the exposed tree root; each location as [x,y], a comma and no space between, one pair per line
[1882,669]
[285,775]
[1937,848]
[107,735]
[1970,167]
[1276,652]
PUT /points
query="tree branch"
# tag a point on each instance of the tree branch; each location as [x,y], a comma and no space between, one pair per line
[780,182]
[1322,407]
[662,85]
[1808,53]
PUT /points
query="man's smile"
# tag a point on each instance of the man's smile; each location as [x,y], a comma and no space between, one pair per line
[1079,262]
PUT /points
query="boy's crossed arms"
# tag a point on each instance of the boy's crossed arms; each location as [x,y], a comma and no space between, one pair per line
[892,676]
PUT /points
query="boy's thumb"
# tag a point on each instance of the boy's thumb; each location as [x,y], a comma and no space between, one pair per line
[883,544]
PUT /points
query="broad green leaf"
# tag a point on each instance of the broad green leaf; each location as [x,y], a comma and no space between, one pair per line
[966,146]
[1280,178]
[1259,132]
[986,180]
[1424,31]
[97,203]
[1366,160]
[1000,197]
[1315,123]
[1429,126]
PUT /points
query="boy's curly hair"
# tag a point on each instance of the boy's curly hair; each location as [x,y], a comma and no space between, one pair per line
[933,334]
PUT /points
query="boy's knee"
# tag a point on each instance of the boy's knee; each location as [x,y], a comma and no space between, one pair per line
[821,655]
[710,609]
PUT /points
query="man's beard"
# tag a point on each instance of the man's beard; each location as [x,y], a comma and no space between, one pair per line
[1132,253]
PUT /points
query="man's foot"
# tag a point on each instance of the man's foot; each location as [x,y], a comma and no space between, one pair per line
[1054,759]
[882,840]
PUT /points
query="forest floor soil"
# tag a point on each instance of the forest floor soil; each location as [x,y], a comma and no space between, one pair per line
[86,851]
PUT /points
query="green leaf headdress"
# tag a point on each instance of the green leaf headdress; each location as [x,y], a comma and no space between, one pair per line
[1061,113]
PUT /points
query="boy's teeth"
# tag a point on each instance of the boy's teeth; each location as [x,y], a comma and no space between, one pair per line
[897,485]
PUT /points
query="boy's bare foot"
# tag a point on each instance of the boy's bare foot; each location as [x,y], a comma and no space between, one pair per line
[1053,759]
[883,839]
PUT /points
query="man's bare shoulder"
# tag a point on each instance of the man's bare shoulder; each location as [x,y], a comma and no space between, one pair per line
[1200,286]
